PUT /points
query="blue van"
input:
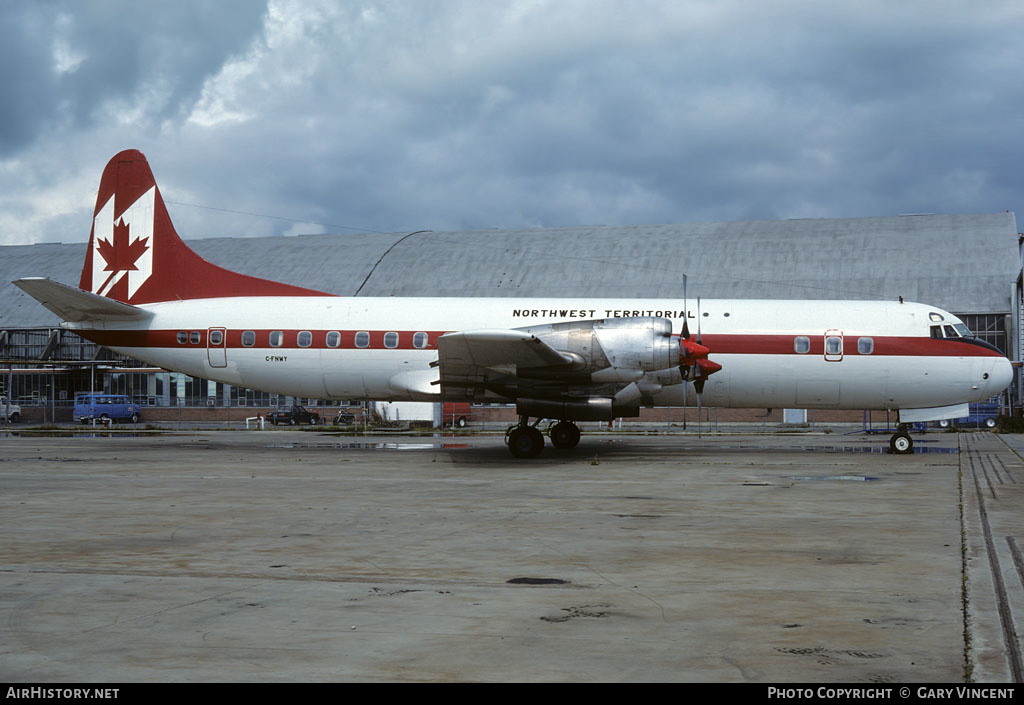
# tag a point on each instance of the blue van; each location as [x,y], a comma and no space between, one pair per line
[983,414]
[116,407]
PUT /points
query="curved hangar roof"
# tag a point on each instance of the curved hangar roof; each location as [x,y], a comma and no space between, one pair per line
[963,263]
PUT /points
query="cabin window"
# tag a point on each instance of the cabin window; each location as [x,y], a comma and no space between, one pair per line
[333,339]
[249,338]
[362,339]
[391,340]
[216,337]
[182,337]
[195,337]
[305,339]
[833,345]
[802,344]
[420,340]
[276,338]
[865,346]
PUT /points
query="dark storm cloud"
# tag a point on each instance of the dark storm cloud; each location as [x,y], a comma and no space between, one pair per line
[64,60]
[451,115]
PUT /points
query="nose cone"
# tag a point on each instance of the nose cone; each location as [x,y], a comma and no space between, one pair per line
[1000,376]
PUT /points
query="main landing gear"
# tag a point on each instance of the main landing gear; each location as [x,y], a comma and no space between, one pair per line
[900,442]
[526,441]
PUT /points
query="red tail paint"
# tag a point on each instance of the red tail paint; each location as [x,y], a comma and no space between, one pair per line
[135,255]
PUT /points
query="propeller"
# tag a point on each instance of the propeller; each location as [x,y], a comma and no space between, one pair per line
[693,355]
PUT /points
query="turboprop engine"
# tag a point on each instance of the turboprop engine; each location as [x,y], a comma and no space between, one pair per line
[632,357]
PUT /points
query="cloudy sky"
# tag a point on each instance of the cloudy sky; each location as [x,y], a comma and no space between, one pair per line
[337,116]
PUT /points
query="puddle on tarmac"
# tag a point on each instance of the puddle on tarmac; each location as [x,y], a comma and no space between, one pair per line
[378,445]
[82,434]
[845,478]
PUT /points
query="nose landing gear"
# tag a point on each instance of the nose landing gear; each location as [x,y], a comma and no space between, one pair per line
[900,442]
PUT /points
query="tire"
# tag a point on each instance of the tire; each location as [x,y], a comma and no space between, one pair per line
[525,442]
[990,423]
[134,418]
[314,420]
[564,434]
[945,423]
[901,444]
[461,423]
[15,417]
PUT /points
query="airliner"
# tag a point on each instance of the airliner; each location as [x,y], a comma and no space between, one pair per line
[145,294]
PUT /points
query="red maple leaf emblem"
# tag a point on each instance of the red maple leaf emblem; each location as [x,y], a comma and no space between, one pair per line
[119,255]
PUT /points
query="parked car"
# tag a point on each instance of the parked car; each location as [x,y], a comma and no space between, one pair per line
[15,412]
[291,415]
[984,414]
[116,407]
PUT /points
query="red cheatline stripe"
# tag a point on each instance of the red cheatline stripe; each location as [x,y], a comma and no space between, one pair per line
[722,344]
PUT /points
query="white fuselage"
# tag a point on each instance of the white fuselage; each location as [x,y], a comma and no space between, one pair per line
[368,348]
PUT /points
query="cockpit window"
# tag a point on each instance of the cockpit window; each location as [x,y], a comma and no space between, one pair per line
[963,330]
[950,333]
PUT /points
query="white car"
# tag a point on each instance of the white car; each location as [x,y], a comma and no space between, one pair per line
[15,412]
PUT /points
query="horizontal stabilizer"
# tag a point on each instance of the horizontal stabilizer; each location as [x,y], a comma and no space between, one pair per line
[73,304]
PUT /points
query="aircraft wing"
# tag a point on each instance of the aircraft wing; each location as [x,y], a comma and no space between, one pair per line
[469,360]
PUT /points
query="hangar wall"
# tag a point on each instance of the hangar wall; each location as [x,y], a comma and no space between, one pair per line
[967,264]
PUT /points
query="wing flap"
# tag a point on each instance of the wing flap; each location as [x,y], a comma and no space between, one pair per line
[471,359]
[494,348]
[73,304]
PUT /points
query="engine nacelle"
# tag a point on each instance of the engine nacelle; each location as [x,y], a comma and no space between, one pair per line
[614,349]
[586,409]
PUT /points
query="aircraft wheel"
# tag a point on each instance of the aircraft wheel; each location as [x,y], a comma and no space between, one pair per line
[525,442]
[565,434]
[901,444]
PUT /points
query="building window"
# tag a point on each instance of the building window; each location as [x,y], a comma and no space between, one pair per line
[249,338]
[276,338]
[802,344]
[990,327]
[305,339]
[362,339]
[333,339]
[420,340]
[865,346]
[391,340]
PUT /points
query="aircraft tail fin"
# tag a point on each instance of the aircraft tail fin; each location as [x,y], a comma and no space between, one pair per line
[71,304]
[136,257]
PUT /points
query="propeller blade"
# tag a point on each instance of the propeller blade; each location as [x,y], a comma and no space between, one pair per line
[698,320]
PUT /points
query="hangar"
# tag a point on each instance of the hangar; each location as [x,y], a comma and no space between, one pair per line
[969,265]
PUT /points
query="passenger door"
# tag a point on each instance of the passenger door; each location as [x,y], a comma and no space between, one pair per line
[217,347]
